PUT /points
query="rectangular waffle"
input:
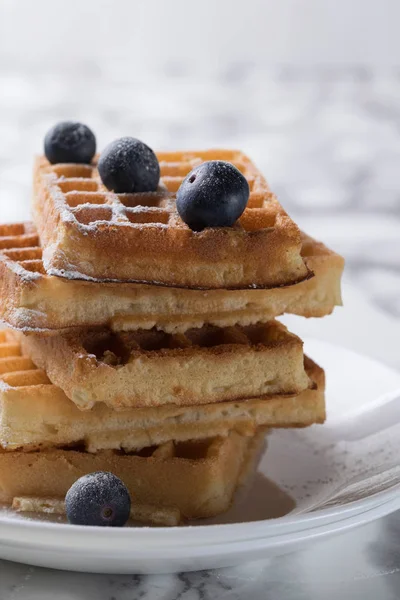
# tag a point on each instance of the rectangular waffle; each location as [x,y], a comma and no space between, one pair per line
[88,232]
[35,414]
[142,513]
[31,300]
[152,368]
[197,478]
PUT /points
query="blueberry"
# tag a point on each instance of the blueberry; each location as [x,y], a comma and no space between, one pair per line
[214,194]
[127,165]
[99,499]
[70,142]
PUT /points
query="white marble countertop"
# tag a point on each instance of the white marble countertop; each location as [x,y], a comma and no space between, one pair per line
[329,142]
[362,565]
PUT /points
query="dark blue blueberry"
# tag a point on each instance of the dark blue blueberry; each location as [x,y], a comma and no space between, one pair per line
[70,142]
[128,165]
[99,499]
[214,194]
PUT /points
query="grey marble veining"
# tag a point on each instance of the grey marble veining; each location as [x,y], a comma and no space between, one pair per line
[364,566]
[329,142]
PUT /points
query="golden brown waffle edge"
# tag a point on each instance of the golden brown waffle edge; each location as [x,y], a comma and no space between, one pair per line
[200,366]
[196,478]
[90,232]
[31,300]
[35,414]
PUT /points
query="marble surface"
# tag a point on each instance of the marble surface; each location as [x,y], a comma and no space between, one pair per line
[362,565]
[329,142]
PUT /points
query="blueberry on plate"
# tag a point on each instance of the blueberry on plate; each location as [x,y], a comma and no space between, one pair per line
[128,165]
[100,499]
[214,194]
[70,142]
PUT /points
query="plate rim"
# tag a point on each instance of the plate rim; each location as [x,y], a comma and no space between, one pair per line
[320,518]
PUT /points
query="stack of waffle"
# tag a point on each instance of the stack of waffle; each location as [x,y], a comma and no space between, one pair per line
[140,347]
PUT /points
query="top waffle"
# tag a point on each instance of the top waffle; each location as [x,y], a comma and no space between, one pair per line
[88,232]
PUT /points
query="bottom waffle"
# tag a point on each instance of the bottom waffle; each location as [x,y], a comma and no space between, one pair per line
[36,414]
[191,480]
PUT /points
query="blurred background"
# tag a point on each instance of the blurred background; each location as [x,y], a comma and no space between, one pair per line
[309,88]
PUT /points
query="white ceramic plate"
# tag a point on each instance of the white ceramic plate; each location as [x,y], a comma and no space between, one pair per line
[339,475]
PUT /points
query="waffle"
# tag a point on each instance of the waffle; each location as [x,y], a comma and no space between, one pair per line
[142,513]
[151,368]
[32,300]
[35,414]
[88,232]
[198,479]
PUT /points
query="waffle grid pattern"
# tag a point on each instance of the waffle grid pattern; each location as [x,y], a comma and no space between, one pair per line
[116,348]
[17,371]
[89,232]
[19,242]
[90,203]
